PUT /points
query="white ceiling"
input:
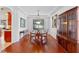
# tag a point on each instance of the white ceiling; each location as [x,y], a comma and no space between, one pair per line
[43,10]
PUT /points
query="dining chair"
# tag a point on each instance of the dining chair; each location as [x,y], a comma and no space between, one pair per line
[44,38]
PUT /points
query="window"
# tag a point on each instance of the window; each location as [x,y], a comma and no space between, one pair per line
[38,24]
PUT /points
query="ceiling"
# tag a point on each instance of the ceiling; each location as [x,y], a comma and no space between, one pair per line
[43,10]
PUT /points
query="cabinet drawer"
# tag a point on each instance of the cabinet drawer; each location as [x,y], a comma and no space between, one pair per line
[71,47]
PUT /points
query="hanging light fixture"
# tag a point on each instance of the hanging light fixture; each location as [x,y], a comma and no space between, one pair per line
[38,12]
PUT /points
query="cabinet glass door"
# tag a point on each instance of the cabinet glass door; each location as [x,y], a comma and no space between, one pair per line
[72,25]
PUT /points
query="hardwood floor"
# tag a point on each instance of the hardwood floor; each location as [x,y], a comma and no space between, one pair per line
[25,46]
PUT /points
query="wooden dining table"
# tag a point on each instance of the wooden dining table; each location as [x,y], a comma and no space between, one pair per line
[39,38]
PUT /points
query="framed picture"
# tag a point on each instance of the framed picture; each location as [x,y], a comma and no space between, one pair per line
[54,21]
[22,22]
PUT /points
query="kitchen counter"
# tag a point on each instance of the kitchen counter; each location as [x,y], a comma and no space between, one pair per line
[6,30]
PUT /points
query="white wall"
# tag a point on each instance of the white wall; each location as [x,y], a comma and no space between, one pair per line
[30,21]
[24,16]
[53,31]
[15,24]
[16,14]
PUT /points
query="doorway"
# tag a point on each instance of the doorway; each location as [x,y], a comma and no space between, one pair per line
[5,26]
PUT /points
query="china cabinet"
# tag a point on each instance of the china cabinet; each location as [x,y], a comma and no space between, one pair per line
[67,32]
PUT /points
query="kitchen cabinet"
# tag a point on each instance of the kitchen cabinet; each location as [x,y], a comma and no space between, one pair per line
[7,36]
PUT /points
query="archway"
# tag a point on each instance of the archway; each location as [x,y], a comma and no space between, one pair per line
[5,25]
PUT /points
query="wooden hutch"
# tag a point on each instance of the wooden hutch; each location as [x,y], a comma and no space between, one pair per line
[67,34]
